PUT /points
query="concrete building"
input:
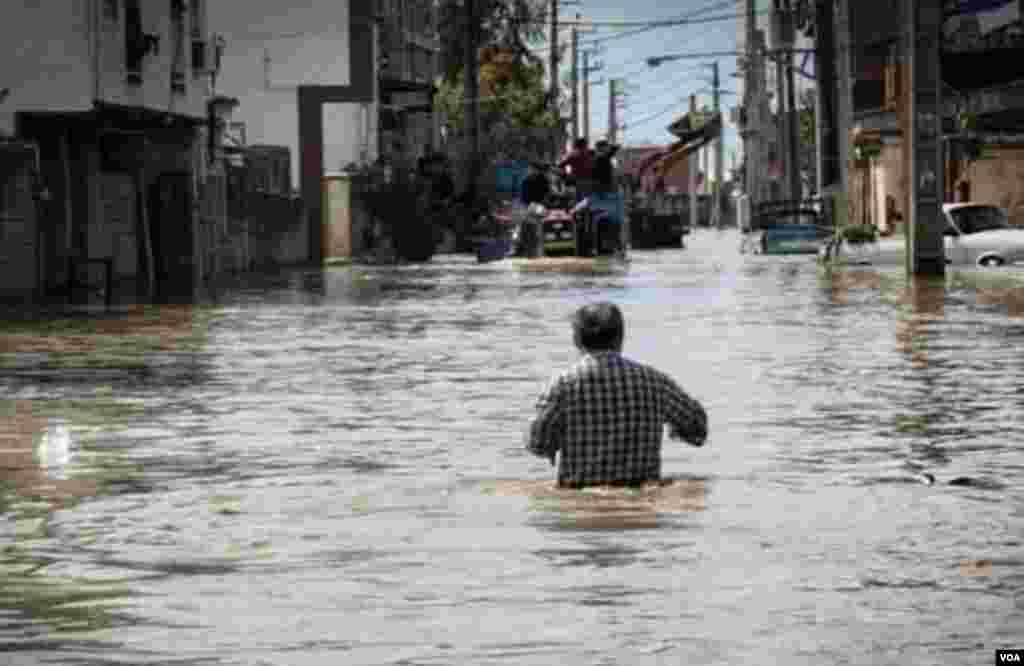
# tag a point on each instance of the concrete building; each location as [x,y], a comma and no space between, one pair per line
[106,113]
[272,51]
[410,47]
[983,108]
[337,83]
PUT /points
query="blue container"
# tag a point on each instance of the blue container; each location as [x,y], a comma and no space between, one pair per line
[611,203]
[509,177]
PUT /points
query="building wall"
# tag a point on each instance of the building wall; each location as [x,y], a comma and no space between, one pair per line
[174,54]
[889,182]
[998,178]
[279,48]
[51,65]
[45,63]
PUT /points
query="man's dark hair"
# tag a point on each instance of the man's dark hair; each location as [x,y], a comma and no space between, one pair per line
[580,143]
[599,327]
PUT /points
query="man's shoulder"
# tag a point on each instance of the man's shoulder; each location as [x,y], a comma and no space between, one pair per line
[646,370]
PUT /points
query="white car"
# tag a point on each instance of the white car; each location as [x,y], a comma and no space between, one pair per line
[976,234]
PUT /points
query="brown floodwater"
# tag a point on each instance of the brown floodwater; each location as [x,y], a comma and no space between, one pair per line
[328,468]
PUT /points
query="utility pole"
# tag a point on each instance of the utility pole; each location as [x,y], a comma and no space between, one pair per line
[796,183]
[784,27]
[587,69]
[926,254]
[553,63]
[752,105]
[586,96]
[575,80]
[472,94]
[719,146]
[782,143]
[693,166]
[614,93]
[826,137]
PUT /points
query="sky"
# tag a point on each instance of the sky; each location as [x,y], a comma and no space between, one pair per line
[657,96]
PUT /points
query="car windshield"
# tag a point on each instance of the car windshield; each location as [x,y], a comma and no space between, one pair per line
[972,219]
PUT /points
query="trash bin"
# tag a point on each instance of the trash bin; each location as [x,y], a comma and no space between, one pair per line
[532,231]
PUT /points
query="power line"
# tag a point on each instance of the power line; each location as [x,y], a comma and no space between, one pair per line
[593,41]
[648,69]
[682,20]
[671,87]
[680,24]
[651,23]
[656,114]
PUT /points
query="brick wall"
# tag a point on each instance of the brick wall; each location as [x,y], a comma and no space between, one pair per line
[998,178]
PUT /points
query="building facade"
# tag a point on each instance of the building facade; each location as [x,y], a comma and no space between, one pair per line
[111,99]
[275,49]
[409,60]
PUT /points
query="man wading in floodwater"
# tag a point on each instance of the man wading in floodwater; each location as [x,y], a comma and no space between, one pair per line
[605,413]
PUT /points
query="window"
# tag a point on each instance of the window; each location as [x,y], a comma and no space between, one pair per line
[972,219]
[196,16]
[198,56]
[134,41]
[178,36]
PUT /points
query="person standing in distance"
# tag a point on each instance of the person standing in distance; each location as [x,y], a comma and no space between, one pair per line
[605,414]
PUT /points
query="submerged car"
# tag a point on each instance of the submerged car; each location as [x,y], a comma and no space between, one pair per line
[976,234]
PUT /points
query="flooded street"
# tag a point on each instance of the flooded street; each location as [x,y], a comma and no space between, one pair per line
[328,468]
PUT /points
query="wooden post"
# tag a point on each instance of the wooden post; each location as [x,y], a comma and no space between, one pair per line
[147,232]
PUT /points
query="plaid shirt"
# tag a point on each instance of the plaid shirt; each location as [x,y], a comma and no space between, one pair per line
[606,414]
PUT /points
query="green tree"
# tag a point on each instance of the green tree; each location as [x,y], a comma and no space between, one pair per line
[509,25]
[511,93]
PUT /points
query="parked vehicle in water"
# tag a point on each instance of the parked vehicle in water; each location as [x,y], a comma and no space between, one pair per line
[785,227]
[975,234]
[658,219]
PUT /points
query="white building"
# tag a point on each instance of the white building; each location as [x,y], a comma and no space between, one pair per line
[71,56]
[272,49]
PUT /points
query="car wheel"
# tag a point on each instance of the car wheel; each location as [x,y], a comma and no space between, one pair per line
[991,262]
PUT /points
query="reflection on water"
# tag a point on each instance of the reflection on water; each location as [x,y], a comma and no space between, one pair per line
[288,473]
[603,507]
[50,463]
